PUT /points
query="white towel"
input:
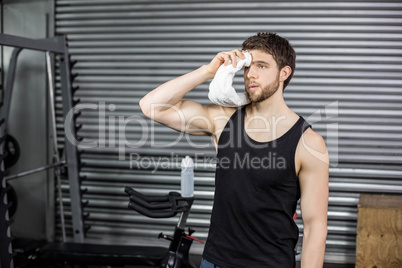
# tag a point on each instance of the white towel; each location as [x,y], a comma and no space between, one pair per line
[221,91]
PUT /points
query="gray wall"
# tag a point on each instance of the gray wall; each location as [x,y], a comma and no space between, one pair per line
[28,117]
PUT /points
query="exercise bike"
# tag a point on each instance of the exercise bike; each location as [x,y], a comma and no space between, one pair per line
[166,207]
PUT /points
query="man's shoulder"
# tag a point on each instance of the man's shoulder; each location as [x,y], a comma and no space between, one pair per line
[312,147]
[313,138]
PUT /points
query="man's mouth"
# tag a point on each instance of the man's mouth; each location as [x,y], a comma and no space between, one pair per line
[253,87]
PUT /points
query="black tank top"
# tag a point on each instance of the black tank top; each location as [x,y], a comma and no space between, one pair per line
[256,194]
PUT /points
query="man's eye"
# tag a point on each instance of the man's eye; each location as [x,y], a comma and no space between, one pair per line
[262,66]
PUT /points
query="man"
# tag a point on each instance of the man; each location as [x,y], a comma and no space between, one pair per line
[268,158]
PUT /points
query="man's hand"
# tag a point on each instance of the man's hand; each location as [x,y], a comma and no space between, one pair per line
[224,58]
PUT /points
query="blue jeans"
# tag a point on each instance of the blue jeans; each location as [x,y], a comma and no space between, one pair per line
[207,264]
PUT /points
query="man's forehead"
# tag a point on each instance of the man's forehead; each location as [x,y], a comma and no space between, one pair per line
[260,55]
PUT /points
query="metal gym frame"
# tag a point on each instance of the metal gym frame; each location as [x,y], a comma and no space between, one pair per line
[58,46]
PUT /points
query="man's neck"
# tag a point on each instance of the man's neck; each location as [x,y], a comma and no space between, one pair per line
[274,106]
[271,117]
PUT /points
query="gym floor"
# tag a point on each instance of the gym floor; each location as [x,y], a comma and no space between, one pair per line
[196,259]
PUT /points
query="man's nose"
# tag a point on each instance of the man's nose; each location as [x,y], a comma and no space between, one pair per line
[251,72]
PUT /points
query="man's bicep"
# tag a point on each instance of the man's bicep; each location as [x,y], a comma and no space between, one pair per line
[314,192]
[313,177]
[186,116]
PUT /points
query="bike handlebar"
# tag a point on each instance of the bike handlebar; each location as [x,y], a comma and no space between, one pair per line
[158,206]
[151,214]
[131,192]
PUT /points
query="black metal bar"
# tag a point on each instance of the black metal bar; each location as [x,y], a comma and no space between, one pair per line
[49,44]
[8,88]
[55,148]
[35,170]
[71,149]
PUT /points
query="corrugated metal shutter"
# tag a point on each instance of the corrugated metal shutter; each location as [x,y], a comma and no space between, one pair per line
[347,83]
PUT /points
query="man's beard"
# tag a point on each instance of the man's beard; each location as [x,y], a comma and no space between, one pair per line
[264,93]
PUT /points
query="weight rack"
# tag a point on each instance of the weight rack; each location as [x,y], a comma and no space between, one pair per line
[59,47]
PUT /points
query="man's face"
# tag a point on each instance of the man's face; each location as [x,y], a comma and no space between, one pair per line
[261,78]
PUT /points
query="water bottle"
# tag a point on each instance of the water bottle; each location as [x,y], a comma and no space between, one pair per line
[187,177]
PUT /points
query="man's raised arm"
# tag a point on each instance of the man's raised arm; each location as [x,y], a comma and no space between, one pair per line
[164,104]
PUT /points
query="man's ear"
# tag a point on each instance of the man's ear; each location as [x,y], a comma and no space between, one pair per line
[285,72]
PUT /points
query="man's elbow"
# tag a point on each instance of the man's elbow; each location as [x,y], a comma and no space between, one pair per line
[145,107]
[323,231]
[317,229]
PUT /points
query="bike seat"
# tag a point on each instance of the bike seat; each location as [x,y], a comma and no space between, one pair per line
[102,254]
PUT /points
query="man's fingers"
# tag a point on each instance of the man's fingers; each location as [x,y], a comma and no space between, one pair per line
[226,59]
[239,54]
[231,56]
[234,54]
